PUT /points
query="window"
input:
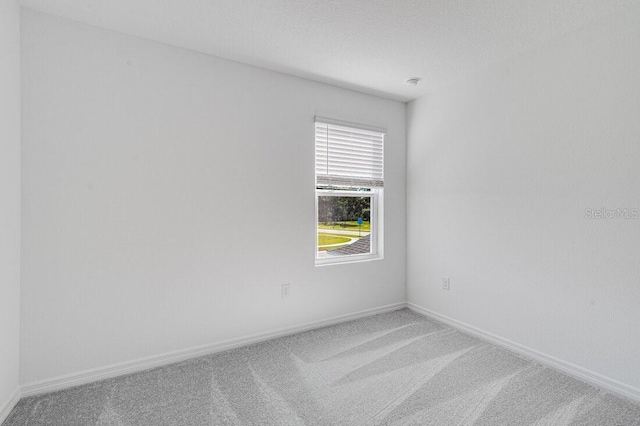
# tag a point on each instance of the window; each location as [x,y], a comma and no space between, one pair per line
[349,192]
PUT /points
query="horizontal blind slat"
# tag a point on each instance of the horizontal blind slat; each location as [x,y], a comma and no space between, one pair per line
[349,182]
[338,128]
[351,140]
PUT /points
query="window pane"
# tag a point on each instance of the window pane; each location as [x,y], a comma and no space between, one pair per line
[344,226]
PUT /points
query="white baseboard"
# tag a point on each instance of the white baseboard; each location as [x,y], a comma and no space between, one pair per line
[573,370]
[128,367]
[7,406]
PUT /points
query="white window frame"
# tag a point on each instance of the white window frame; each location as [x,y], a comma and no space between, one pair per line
[375,232]
[376,193]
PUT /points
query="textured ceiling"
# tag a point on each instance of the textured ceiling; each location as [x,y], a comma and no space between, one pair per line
[371,46]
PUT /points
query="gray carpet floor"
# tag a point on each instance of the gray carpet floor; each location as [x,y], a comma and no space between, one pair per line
[398,368]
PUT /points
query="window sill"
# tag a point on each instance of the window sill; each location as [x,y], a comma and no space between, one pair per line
[349,259]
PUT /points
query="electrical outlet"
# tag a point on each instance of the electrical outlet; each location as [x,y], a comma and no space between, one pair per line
[446,283]
[284,291]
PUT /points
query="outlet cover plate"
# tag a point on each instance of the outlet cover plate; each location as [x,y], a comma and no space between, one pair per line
[446,283]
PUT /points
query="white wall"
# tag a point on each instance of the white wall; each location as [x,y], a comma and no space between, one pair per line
[501,167]
[9,198]
[168,195]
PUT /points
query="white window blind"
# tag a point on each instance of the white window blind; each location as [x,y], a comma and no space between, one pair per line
[348,156]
